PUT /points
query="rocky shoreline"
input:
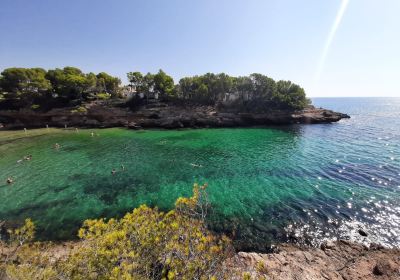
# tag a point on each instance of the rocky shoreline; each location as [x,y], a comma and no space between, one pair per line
[161,115]
[340,260]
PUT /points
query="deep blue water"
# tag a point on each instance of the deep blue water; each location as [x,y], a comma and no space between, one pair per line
[366,154]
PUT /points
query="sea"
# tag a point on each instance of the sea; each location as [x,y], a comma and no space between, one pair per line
[300,183]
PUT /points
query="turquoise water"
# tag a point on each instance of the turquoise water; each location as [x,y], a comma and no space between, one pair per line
[303,183]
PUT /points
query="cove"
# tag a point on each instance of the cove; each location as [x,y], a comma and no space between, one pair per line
[263,182]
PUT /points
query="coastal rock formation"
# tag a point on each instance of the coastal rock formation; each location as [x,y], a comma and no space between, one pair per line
[160,116]
[335,261]
[339,260]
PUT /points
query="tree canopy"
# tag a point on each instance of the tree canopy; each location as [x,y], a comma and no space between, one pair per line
[22,87]
[25,84]
[253,92]
[159,83]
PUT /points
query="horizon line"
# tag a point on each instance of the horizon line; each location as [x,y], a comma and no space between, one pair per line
[354,96]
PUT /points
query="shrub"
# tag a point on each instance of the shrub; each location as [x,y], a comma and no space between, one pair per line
[103,96]
[35,106]
[145,244]
[80,109]
[16,240]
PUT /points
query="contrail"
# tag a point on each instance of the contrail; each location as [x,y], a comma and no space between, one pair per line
[331,36]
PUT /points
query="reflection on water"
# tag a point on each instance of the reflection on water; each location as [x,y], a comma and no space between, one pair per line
[265,184]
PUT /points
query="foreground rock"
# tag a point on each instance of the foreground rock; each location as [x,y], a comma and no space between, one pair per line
[340,260]
[335,260]
[160,115]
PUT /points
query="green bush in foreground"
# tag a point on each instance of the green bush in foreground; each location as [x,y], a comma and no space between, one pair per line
[145,244]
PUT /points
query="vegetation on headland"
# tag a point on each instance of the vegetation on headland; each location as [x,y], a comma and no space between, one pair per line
[39,89]
[144,244]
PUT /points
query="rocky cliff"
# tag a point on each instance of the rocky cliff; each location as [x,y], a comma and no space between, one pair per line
[160,116]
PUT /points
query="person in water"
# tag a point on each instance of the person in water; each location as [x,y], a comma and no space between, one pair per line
[57,146]
[9,180]
[123,167]
[113,172]
[28,157]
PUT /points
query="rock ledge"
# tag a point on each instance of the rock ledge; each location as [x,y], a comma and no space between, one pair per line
[166,116]
[334,260]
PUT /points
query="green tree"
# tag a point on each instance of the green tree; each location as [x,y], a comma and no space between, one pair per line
[108,84]
[24,84]
[90,86]
[148,83]
[71,83]
[163,83]
[263,87]
[244,87]
[185,89]
[256,92]
[135,80]
[290,96]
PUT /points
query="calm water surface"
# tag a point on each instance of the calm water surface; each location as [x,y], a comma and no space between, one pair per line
[302,183]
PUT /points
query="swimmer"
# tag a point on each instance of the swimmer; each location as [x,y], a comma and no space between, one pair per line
[123,167]
[9,180]
[19,161]
[28,157]
[113,172]
[57,146]
[92,134]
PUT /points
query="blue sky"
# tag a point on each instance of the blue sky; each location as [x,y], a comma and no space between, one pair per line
[283,39]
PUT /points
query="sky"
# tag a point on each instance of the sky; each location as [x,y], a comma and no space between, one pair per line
[331,48]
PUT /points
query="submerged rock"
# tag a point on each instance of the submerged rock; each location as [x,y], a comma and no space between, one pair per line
[362,232]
